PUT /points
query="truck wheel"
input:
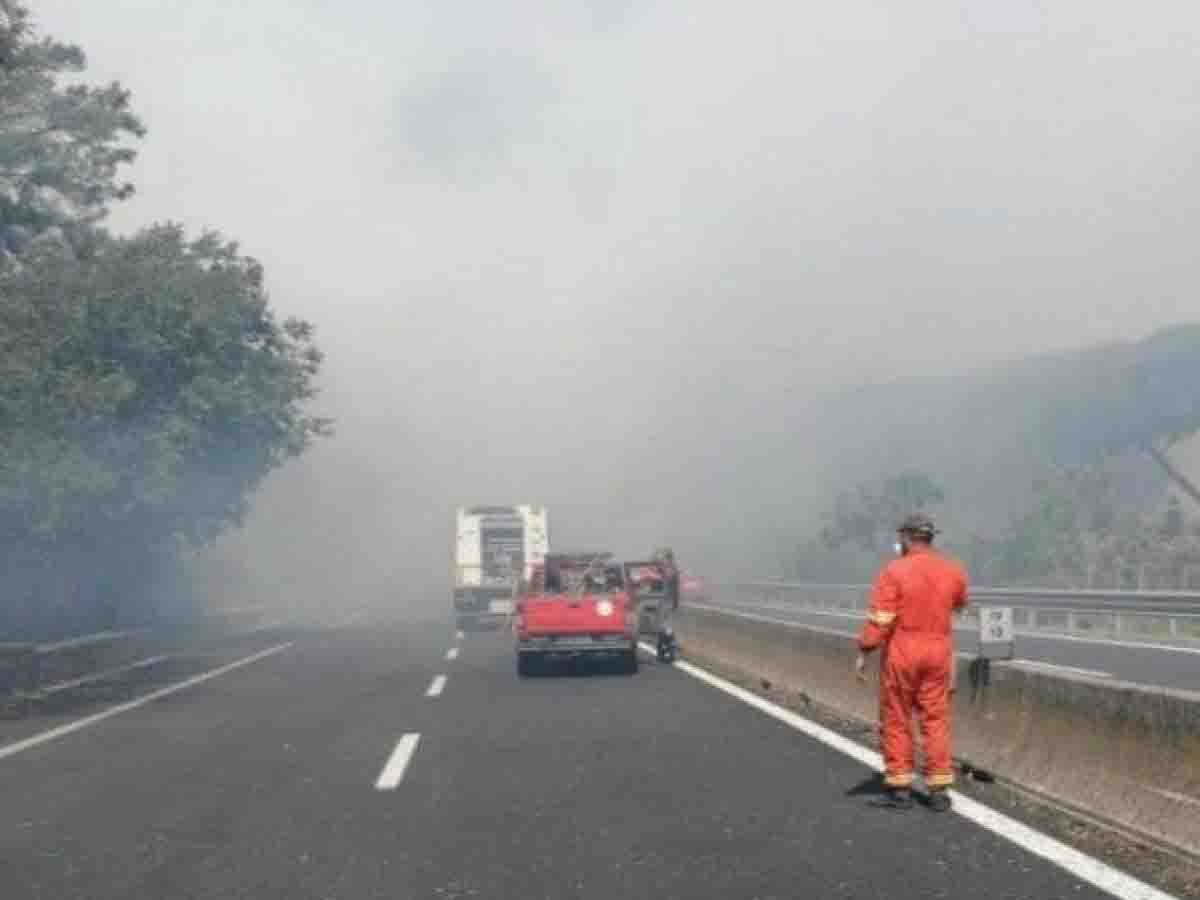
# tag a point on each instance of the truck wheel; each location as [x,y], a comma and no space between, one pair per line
[631,662]
[526,665]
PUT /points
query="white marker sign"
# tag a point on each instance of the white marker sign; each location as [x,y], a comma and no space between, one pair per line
[996,625]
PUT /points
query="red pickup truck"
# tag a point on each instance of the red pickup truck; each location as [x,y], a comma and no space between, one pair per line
[578,607]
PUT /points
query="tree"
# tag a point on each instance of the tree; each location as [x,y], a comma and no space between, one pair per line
[1173,522]
[1140,397]
[61,146]
[146,389]
[871,513]
[1048,540]
[1073,536]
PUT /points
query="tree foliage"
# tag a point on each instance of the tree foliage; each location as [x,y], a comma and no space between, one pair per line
[146,389]
[1058,465]
[61,145]
[1075,535]
[146,386]
[1142,396]
[870,514]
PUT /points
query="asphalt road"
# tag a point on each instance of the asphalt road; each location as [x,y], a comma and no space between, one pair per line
[1164,664]
[264,782]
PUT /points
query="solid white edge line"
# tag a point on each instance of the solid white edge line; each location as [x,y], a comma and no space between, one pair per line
[436,686]
[1055,667]
[452,653]
[1131,645]
[737,612]
[393,770]
[1077,863]
[79,724]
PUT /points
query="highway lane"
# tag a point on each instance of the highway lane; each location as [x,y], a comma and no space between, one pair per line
[266,783]
[246,786]
[1158,663]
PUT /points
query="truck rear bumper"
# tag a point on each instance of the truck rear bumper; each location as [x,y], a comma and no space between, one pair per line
[576,645]
[483,607]
[481,620]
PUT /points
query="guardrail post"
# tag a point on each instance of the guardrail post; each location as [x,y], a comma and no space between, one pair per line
[33,671]
[1174,626]
[1072,622]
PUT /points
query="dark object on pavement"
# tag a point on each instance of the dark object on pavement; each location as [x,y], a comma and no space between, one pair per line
[978,774]
[666,648]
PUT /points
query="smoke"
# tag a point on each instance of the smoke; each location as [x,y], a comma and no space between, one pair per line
[609,256]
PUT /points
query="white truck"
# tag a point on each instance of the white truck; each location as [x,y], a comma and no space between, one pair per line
[494,548]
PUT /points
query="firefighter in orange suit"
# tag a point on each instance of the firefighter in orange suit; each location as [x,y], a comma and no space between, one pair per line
[910,619]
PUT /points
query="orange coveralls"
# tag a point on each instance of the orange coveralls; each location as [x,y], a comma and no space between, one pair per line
[910,617]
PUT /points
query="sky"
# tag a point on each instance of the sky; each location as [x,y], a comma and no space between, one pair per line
[581,252]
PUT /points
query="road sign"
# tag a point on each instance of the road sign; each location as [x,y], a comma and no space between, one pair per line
[995,624]
[996,631]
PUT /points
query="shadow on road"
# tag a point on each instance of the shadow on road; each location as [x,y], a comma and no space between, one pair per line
[871,786]
[585,669]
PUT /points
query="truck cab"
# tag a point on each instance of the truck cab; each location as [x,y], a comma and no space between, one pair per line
[578,606]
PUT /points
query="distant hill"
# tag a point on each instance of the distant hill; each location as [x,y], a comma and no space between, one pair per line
[983,435]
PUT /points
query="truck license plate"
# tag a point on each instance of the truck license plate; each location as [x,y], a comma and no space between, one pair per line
[574,641]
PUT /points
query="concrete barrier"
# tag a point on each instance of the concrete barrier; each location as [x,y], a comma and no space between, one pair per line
[1126,753]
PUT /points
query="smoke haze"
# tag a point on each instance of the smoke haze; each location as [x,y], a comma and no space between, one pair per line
[607,256]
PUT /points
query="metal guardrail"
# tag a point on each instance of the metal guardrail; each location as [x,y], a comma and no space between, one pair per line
[1179,602]
[31,669]
[1140,614]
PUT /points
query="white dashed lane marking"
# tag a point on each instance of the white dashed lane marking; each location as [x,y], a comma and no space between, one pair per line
[397,763]
[436,688]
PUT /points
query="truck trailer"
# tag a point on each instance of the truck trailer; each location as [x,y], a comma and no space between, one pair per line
[495,548]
